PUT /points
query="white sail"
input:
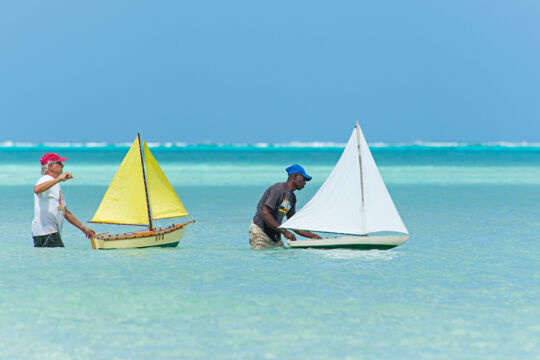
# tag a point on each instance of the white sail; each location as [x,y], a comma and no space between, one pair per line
[353,199]
[380,211]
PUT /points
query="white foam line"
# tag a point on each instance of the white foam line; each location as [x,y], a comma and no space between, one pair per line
[292,144]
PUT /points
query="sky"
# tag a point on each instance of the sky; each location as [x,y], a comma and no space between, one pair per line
[269,71]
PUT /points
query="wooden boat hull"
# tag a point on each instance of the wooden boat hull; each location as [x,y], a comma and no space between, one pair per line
[167,237]
[383,242]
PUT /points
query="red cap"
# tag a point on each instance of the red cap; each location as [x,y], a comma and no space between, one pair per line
[51,157]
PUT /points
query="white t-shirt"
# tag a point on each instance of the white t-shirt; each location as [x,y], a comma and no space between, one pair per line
[49,209]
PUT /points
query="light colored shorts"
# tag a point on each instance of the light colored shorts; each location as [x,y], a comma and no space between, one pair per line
[259,240]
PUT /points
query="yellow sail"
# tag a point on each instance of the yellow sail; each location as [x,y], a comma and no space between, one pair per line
[164,202]
[125,200]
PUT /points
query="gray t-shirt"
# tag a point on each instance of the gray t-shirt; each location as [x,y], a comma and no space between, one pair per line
[282,201]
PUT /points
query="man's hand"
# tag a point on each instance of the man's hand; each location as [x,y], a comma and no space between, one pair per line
[307,234]
[89,233]
[65,176]
[289,235]
[269,220]
[73,220]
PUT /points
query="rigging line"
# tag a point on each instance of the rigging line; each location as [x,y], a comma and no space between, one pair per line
[144,181]
[361,175]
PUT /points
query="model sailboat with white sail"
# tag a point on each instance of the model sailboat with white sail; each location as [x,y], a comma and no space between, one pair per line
[138,194]
[353,203]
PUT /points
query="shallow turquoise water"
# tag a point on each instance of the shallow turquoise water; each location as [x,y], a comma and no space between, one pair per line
[465,286]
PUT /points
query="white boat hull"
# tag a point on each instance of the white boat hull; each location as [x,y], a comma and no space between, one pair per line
[167,237]
[382,242]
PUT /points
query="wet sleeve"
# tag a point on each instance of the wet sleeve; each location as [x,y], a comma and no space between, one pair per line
[45,193]
[272,199]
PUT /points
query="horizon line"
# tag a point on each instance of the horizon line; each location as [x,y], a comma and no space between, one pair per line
[9,144]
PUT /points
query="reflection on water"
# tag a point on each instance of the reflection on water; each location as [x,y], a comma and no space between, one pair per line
[355,254]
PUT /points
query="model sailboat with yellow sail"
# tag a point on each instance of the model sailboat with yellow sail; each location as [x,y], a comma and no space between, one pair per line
[137,195]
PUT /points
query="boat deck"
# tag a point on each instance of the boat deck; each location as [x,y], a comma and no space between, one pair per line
[142,234]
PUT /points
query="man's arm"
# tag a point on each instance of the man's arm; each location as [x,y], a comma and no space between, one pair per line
[269,220]
[38,189]
[307,234]
[73,220]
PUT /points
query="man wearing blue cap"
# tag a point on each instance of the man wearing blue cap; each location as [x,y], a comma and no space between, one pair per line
[277,201]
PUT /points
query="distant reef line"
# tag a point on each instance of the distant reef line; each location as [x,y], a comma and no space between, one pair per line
[8,144]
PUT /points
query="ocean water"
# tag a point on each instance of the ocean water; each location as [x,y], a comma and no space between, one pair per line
[465,286]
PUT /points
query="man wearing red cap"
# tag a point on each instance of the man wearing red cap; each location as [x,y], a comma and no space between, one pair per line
[49,204]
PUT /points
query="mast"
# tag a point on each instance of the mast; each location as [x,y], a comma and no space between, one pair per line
[361,173]
[145,185]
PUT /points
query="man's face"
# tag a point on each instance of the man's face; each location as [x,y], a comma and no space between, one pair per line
[56,168]
[299,181]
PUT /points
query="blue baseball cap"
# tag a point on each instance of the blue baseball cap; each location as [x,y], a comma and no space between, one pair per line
[297,169]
